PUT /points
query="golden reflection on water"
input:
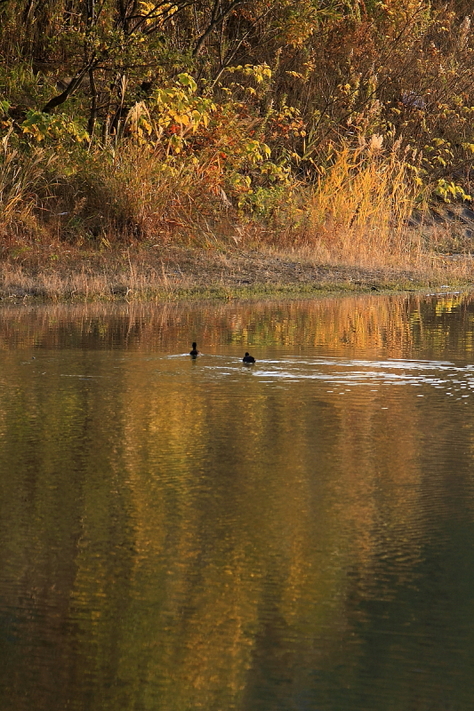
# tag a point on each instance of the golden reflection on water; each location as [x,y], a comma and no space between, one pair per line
[394,324]
[182,534]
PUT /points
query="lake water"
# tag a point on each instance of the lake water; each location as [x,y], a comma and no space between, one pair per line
[179,534]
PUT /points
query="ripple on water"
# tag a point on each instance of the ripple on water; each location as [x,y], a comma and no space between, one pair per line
[354,373]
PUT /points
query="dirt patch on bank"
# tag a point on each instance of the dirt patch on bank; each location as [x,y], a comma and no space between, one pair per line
[251,269]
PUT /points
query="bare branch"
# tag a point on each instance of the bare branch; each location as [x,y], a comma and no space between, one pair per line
[70,89]
[217,19]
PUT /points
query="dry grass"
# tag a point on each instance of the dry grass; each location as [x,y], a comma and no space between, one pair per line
[126,228]
[171,272]
[20,179]
[133,195]
[359,210]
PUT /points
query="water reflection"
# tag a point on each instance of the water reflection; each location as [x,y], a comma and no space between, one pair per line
[182,534]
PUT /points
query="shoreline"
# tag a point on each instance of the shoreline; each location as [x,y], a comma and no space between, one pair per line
[180,273]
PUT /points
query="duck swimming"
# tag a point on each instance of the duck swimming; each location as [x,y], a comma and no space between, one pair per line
[248,358]
[194,351]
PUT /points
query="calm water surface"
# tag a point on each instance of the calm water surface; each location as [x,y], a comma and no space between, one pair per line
[181,534]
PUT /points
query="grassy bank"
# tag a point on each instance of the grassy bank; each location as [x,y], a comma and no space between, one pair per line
[182,273]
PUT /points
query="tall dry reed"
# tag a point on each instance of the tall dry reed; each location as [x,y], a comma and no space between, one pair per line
[359,209]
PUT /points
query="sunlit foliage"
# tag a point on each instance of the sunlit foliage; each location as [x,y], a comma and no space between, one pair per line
[256,100]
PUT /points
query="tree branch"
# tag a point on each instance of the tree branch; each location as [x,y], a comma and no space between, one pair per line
[70,89]
[216,20]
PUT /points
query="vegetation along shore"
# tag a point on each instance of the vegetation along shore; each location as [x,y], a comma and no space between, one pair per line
[217,148]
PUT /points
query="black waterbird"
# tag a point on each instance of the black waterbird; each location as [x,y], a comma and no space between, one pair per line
[194,351]
[248,358]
